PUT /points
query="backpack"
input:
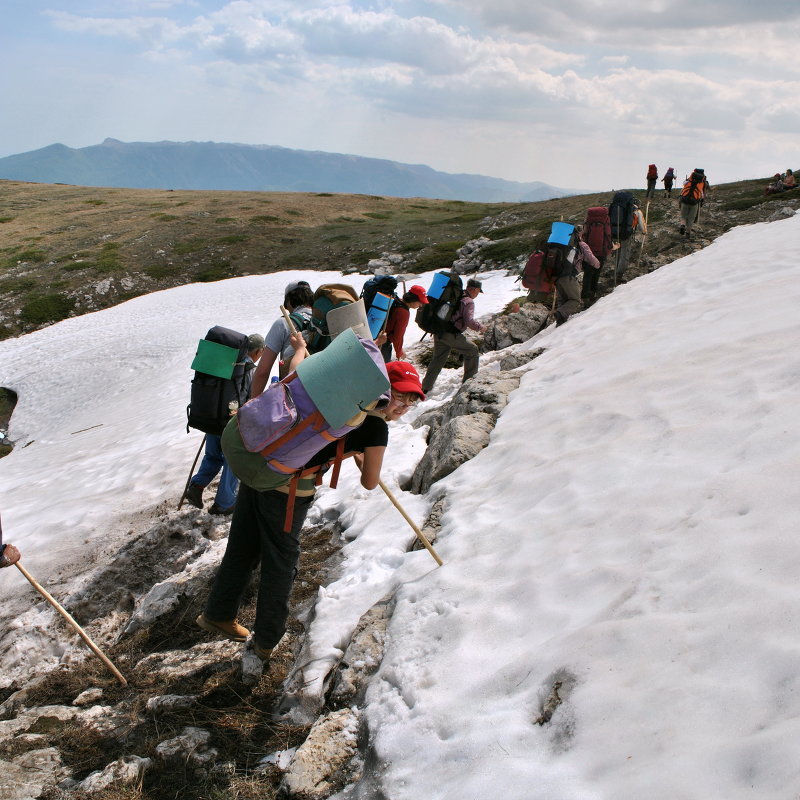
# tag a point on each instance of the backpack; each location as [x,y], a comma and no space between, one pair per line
[533,277]
[444,299]
[670,175]
[692,192]
[620,212]
[597,231]
[221,378]
[385,284]
[326,298]
[269,441]
[560,252]
[652,172]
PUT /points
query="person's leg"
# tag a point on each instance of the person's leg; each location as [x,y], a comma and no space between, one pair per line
[468,350]
[241,556]
[691,217]
[212,462]
[226,490]
[386,351]
[280,552]
[623,254]
[569,298]
[441,350]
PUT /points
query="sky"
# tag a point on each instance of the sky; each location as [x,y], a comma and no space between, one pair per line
[576,93]
[630,531]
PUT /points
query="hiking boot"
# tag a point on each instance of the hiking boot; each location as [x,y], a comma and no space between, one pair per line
[263,653]
[682,230]
[230,630]
[215,509]
[194,495]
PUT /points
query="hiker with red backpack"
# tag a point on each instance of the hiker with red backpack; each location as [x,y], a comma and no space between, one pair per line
[568,287]
[453,338]
[298,299]
[692,196]
[652,177]
[259,530]
[597,235]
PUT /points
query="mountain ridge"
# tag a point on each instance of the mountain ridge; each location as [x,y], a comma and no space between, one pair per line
[221,166]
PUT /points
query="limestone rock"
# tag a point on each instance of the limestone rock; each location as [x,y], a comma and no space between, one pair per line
[327,760]
[165,703]
[516,327]
[122,772]
[89,697]
[183,663]
[28,775]
[190,747]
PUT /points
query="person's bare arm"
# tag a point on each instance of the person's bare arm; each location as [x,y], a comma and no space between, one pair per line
[370,464]
[261,374]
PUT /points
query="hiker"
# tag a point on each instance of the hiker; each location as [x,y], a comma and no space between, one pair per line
[213,457]
[621,212]
[652,177]
[443,343]
[568,287]
[9,555]
[667,180]
[397,321]
[257,530]
[597,234]
[692,196]
[298,299]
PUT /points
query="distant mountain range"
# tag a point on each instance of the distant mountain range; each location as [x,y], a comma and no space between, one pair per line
[243,167]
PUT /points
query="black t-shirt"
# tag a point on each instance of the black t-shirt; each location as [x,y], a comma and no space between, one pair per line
[374,432]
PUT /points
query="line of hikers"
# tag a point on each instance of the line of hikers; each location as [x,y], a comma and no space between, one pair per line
[327,403]
[572,253]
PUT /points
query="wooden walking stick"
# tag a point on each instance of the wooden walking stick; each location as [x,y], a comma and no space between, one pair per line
[646,213]
[191,472]
[74,625]
[420,535]
[288,319]
[61,610]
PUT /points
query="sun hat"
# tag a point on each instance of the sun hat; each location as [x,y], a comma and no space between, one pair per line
[344,378]
[420,293]
[474,284]
[404,378]
[290,287]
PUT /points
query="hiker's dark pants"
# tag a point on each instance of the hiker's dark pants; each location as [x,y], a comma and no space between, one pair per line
[591,279]
[442,345]
[668,188]
[568,291]
[257,534]
[651,187]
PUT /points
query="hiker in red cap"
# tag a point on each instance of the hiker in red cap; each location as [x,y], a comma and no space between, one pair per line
[9,555]
[258,534]
[397,322]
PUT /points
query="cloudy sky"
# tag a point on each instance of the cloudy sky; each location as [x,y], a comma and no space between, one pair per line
[576,93]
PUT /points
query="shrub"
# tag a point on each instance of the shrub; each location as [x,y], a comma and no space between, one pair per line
[189,246]
[440,256]
[164,217]
[46,308]
[234,238]
[508,249]
[108,260]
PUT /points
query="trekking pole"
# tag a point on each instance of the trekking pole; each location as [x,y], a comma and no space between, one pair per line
[288,319]
[191,472]
[646,213]
[74,625]
[420,535]
[616,263]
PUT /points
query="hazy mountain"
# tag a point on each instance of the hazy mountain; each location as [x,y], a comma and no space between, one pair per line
[243,167]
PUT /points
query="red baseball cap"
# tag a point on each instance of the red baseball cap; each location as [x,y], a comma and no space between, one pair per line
[420,293]
[404,378]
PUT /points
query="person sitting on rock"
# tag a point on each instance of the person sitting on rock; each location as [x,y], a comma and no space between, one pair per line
[776,186]
[789,181]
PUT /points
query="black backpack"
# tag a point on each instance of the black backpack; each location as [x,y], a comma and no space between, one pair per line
[436,316]
[385,284]
[559,259]
[209,409]
[620,212]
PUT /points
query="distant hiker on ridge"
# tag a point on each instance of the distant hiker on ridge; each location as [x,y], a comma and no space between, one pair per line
[668,180]
[463,318]
[298,299]
[213,459]
[652,177]
[692,196]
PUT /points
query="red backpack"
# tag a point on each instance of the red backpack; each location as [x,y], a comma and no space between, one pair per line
[652,172]
[597,231]
[534,276]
